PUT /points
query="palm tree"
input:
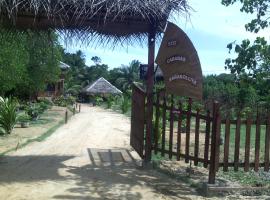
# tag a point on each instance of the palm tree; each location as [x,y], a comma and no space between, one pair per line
[128,75]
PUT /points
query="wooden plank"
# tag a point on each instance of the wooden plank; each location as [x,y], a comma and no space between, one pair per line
[237,143]
[257,143]
[214,144]
[207,138]
[267,144]
[163,126]
[197,138]
[188,130]
[179,132]
[247,145]
[171,128]
[137,132]
[227,143]
[149,91]
[157,124]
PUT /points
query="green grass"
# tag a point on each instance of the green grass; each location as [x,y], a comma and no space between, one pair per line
[243,141]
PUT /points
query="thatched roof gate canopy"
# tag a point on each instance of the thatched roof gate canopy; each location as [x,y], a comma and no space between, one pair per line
[111,18]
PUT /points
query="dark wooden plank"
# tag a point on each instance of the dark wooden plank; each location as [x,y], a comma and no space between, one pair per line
[171,128]
[214,144]
[218,132]
[227,143]
[257,143]
[197,138]
[163,126]
[267,144]
[149,91]
[247,145]
[157,124]
[179,132]
[237,143]
[207,138]
[188,129]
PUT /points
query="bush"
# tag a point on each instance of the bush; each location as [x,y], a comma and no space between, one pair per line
[33,111]
[64,101]
[109,102]
[125,104]
[98,101]
[8,115]
[24,117]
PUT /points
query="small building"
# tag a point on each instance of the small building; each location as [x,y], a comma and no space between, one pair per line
[56,89]
[101,87]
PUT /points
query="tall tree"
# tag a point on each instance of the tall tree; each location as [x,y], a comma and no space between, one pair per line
[252,61]
[128,74]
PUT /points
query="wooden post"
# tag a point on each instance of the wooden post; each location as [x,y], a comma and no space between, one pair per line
[227,143]
[188,130]
[66,116]
[150,86]
[214,158]
[74,110]
[157,125]
[79,108]
[207,138]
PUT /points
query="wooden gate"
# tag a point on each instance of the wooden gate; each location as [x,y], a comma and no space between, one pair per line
[138,120]
[181,132]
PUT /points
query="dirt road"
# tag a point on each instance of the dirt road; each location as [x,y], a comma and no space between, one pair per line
[89,158]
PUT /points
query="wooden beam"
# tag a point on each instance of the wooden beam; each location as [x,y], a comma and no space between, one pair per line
[150,86]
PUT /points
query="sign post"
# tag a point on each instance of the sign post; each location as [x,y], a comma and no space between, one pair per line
[180,64]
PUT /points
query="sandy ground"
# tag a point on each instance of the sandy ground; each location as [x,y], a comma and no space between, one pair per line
[89,158]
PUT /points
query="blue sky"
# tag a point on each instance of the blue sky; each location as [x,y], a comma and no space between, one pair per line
[210,27]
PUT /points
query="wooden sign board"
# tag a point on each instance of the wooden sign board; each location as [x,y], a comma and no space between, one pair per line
[180,64]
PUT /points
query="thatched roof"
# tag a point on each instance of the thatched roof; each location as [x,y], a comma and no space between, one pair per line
[120,20]
[101,86]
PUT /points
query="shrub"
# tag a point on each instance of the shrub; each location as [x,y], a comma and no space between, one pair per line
[109,102]
[24,117]
[8,114]
[64,101]
[33,111]
[98,101]
[125,104]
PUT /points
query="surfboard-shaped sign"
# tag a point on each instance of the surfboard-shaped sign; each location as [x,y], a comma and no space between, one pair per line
[180,64]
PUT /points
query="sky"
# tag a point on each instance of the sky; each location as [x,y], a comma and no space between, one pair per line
[210,27]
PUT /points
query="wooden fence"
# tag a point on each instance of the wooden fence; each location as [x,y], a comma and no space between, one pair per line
[202,136]
[180,131]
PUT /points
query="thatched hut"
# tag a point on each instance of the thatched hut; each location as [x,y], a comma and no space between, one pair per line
[101,87]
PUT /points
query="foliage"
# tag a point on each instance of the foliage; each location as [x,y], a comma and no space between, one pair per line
[24,117]
[128,75]
[253,58]
[8,115]
[98,100]
[33,111]
[125,104]
[258,7]
[28,61]
[64,101]
[109,101]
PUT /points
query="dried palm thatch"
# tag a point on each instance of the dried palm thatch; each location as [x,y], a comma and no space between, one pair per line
[103,20]
[101,87]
